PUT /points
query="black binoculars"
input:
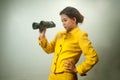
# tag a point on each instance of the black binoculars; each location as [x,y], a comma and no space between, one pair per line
[43,24]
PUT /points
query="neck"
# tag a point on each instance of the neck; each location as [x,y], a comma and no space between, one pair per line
[70,29]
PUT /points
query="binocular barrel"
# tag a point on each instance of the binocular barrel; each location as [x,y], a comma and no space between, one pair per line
[43,24]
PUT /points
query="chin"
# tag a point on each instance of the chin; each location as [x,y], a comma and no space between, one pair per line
[65,28]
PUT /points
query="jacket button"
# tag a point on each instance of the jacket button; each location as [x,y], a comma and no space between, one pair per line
[60,45]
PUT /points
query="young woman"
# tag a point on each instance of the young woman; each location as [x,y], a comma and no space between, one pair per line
[67,46]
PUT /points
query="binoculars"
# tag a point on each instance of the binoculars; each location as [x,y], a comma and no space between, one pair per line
[42,25]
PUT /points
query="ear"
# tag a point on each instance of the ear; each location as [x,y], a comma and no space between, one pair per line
[74,19]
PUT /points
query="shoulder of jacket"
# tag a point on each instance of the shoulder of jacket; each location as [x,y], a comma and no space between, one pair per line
[82,33]
[61,32]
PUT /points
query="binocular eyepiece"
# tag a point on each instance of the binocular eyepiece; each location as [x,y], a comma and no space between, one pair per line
[43,24]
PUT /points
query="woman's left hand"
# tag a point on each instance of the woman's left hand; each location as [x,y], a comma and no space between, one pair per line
[70,66]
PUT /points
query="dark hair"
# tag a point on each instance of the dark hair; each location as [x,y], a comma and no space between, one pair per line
[72,12]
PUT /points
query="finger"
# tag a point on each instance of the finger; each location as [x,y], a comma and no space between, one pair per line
[66,65]
[68,62]
[68,68]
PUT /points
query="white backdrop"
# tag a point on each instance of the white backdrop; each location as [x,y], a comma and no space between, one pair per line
[21,58]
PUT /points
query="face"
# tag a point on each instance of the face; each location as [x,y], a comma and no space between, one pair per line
[68,23]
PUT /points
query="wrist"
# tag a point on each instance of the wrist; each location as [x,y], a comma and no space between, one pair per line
[75,70]
[41,37]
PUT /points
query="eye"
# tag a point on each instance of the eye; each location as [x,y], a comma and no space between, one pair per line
[64,20]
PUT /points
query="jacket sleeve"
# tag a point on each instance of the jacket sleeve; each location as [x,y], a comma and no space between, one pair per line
[48,47]
[91,57]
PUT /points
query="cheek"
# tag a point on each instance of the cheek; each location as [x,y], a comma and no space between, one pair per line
[69,23]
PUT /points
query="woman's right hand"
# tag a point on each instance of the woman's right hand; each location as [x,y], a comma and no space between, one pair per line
[42,33]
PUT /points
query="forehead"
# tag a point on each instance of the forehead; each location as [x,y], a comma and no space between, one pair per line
[64,16]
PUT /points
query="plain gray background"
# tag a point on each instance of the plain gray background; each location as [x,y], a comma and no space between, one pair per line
[21,58]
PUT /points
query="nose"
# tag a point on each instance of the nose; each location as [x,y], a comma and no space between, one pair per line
[63,24]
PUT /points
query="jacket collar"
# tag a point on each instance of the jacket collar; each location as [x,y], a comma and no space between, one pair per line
[73,31]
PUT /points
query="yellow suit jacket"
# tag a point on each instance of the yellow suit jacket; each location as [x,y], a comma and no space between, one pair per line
[70,46]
